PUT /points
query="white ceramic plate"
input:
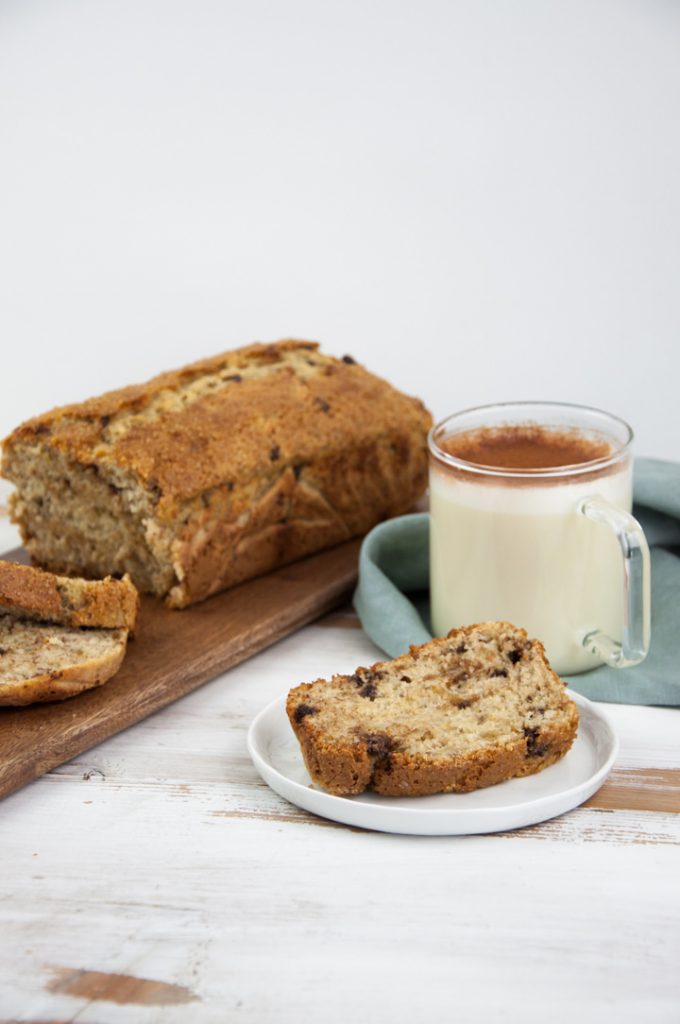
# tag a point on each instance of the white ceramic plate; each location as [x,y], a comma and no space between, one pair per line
[276,755]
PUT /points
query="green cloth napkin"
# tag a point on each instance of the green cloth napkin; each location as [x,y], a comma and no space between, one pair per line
[392,597]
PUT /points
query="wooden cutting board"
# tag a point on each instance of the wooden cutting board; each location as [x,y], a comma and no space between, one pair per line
[172,654]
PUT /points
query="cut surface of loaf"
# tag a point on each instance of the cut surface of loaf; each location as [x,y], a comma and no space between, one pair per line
[40,661]
[30,593]
[218,472]
[475,708]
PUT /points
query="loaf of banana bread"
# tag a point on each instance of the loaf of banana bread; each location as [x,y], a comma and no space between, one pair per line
[218,472]
[477,707]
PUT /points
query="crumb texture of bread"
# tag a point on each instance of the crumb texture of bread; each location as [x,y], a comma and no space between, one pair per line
[475,708]
[42,662]
[30,593]
[218,472]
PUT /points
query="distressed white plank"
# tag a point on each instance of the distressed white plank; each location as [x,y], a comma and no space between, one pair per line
[214,906]
[163,865]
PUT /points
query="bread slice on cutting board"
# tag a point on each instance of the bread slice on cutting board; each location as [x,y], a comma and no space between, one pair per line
[30,593]
[60,636]
[40,661]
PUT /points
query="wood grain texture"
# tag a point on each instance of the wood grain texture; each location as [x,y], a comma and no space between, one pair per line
[639,789]
[173,653]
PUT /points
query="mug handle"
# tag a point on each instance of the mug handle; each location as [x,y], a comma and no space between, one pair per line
[636,567]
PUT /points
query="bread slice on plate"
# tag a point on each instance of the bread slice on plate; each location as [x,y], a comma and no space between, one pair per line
[60,636]
[33,594]
[40,661]
[477,707]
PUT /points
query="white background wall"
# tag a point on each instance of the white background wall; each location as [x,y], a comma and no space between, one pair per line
[479,200]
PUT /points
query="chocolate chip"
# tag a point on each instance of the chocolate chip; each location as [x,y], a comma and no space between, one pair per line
[461,649]
[42,428]
[236,377]
[349,360]
[230,485]
[302,710]
[275,453]
[297,469]
[323,405]
[534,748]
[379,745]
[361,677]
[530,735]
[369,690]
[405,679]
[2,651]
[498,672]
[155,488]
[514,656]
[105,420]
[113,489]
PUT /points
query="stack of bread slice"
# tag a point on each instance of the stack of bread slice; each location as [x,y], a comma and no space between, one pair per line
[58,635]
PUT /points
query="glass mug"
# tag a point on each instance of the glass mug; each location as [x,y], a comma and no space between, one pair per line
[551,548]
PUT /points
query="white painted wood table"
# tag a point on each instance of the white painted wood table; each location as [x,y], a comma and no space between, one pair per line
[156,878]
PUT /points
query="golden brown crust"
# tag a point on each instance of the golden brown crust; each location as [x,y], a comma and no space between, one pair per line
[420,776]
[32,593]
[347,766]
[229,436]
[243,462]
[347,771]
[82,421]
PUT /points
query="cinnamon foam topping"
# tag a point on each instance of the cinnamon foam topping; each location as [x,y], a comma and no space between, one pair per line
[526,446]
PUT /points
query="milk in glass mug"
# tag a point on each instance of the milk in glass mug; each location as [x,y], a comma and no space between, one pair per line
[530,523]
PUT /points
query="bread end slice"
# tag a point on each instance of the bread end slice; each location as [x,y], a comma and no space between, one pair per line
[475,708]
[30,593]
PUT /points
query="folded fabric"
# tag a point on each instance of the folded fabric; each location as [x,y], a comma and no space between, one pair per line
[392,598]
